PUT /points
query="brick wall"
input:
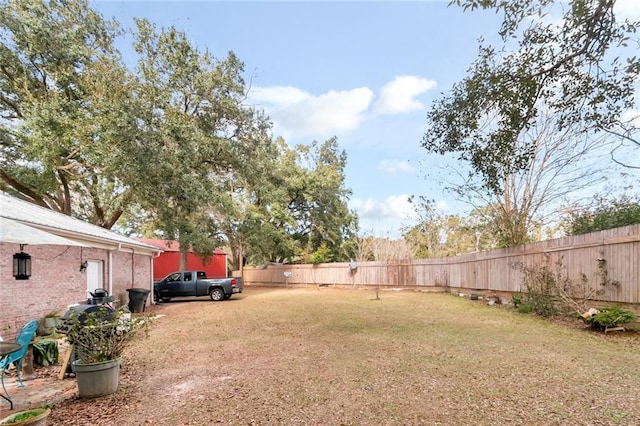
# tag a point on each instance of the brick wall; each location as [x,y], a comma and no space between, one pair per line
[123,277]
[57,282]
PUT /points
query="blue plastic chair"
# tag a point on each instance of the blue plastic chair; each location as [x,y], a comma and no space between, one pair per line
[24,338]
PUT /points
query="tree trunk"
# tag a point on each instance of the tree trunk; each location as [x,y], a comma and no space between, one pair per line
[184,252]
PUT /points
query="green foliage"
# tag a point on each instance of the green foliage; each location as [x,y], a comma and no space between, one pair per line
[485,228]
[517,299]
[171,147]
[45,352]
[610,317]
[548,291]
[527,307]
[604,213]
[298,210]
[541,285]
[318,200]
[57,57]
[525,204]
[196,133]
[103,335]
[555,67]
[321,255]
[522,303]
[544,287]
[440,235]
[22,417]
[25,417]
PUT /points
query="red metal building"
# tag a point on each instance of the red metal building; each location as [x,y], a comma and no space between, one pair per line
[169,260]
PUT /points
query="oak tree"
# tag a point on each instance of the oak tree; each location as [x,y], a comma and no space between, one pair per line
[580,69]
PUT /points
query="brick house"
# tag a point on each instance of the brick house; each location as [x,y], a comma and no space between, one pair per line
[169,260]
[61,274]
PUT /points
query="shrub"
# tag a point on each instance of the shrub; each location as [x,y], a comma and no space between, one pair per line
[45,352]
[542,285]
[104,334]
[526,308]
[516,299]
[609,318]
[549,291]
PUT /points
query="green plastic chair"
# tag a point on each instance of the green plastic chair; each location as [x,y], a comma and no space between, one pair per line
[24,338]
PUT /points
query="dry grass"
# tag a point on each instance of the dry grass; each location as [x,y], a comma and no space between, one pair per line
[341,357]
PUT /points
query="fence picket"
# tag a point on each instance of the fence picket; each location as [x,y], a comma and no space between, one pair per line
[489,271]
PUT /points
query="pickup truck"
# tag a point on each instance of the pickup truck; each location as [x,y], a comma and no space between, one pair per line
[195,283]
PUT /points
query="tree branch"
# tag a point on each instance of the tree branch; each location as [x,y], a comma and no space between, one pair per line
[23,191]
[592,30]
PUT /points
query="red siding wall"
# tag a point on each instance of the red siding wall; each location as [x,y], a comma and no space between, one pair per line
[169,261]
[57,282]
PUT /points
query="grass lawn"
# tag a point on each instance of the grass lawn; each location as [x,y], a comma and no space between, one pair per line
[308,356]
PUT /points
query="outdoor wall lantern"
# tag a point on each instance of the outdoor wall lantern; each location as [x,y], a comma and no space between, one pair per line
[21,265]
[83,266]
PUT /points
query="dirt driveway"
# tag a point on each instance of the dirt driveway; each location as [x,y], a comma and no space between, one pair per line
[340,357]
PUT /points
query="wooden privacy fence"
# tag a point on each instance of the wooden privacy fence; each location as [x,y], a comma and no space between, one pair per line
[607,262]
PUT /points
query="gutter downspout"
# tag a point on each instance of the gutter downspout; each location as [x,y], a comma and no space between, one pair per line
[133,261]
[111,268]
[153,256]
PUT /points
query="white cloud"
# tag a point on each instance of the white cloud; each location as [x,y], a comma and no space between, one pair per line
[398,96]
[295,111]
[386,218]
[383,218]
[394,207]
[278,96]
[396,166]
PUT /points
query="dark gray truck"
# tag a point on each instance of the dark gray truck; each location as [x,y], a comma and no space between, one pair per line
[195,283]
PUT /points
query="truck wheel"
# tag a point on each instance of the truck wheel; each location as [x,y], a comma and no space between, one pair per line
[216,294]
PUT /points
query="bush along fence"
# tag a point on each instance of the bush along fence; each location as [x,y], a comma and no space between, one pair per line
[601,266]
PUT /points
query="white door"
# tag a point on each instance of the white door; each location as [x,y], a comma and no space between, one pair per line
[95,277]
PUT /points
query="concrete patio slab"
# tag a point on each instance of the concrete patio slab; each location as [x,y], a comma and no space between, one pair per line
[46,389]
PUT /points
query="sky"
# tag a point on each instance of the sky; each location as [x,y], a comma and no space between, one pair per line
[364,72]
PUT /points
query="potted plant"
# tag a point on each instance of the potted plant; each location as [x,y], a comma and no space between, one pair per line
[34,417]
[608,319]
[49,323]
[99,338]
[52,320]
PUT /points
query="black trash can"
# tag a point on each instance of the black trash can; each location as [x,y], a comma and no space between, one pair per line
[137,299]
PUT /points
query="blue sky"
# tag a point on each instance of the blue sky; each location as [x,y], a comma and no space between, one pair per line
[365,72]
